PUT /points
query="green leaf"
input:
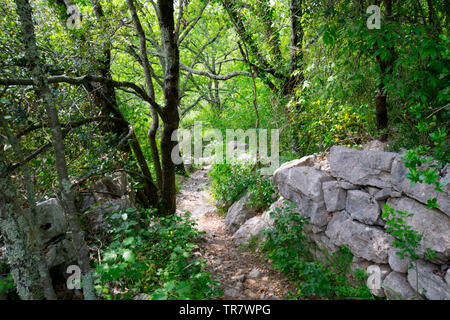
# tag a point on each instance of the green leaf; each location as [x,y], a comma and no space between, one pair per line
[110,256]
[128,256]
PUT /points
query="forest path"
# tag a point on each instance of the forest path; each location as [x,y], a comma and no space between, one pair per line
[242,275]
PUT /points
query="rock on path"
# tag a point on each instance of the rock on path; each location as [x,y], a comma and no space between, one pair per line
[242,275]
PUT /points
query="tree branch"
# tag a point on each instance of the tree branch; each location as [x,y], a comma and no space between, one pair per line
[192,24]
[215,76]
[86,79]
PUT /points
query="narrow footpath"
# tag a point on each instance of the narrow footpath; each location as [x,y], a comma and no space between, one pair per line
[242,274]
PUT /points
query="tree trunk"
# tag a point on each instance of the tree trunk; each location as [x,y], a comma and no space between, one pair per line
[37,254]
[105,97]
[171,100]
[15,228]
[381,111]
[148,73]
[296,54]
[41,83]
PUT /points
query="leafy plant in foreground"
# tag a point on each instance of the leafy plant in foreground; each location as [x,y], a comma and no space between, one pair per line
[288,248]
[156,259]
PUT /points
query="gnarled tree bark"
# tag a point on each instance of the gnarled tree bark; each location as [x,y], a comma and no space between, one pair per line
[33,57]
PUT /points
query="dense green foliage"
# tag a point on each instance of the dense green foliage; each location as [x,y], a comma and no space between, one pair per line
[312,69]
[333,105]
[153,255]
[229,182]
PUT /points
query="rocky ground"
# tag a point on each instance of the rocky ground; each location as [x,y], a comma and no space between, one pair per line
[242,274]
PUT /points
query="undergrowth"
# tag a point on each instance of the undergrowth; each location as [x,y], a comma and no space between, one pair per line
[230,181]
[288,248]
[153,255]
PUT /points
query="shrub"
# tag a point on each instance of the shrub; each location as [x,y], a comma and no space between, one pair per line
[156,259]
[288,248]
[230,181]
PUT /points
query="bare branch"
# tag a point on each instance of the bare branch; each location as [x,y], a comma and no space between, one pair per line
[86,79]
[215,76]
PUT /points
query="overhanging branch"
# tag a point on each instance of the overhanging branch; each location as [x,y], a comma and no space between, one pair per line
[215,76]
[86,79]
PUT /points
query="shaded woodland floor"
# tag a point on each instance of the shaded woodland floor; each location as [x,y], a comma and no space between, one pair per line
[242,274]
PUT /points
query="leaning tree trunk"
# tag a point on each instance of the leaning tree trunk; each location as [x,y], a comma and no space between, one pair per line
[33,56]
[105,97]
[148,73]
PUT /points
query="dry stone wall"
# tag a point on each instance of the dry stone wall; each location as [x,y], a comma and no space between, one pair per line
[344,198]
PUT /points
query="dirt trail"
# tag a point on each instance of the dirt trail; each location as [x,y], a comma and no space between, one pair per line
[242,275]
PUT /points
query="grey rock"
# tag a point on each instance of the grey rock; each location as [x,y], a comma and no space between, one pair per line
[87,200]
[372,190]
[295,181]
[316,229]
[255,273]
[320,246]
[383,194]
[239,212]
[370,243]
[96,215]
[250,229]
[303,185]
[334,196]
[51,219]
[232,292]
[365,167]
[110,186]
[380,222]
[421,191]
[306,161]
[445,178]
[253,227]
[395,194]
[428,281]
[398,172]
[362,207]
[347,185]
[447,276]
[397,263]
[396,287]
[316,211]
[375,145]
[60,252]
[432,224]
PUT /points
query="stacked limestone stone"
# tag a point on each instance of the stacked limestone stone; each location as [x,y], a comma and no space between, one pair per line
[344,202]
